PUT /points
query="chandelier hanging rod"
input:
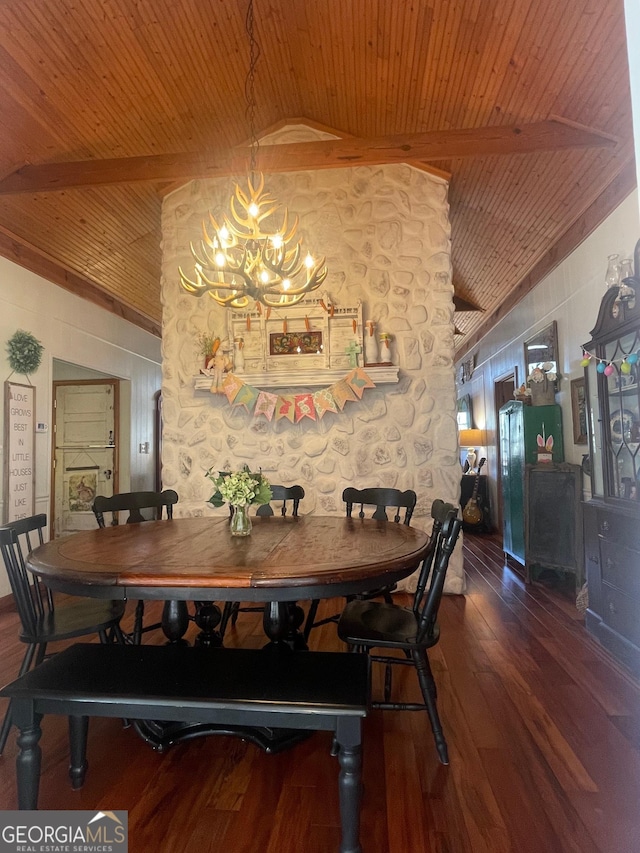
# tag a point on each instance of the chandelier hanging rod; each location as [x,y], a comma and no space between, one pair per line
[254,253]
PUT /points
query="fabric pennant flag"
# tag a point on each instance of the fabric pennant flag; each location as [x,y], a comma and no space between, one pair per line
[285,407]
[231,385]
[265,405]
[342,393]
[324,402]
[246,397]
[358,380]
[305,407]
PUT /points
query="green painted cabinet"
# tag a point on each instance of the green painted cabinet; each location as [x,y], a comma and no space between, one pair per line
[520,425]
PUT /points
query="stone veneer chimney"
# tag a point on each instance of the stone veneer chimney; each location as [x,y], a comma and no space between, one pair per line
[386,236]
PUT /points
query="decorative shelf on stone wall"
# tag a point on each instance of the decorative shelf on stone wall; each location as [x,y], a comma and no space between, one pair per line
[383,375]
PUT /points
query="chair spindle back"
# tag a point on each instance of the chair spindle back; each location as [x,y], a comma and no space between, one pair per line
[33,599]
[444,534]
[382,499]
[133,502]
[284,494]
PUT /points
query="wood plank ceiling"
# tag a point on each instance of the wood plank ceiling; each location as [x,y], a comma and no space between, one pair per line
[98,80]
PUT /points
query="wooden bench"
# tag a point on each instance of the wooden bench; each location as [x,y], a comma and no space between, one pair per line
[229,687]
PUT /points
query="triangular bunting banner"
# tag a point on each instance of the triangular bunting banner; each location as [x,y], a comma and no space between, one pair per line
[285,407]
[295,407]
[265,404]
[324,402]
[358,380]
[305,407]
[342,393]
[246,397]
[231,385]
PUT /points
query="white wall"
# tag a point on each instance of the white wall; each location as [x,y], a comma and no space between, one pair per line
[78,332]
[632,22]
[570,295]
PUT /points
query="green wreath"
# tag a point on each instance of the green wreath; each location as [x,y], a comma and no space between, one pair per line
[25,352]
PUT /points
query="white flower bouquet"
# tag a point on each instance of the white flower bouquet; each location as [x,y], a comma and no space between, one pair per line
[240,488]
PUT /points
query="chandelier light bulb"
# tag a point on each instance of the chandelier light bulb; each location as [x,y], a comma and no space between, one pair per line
[264,276]
[223,234]
[254,210]
[308,261]
[220,259]
[276,241]
[286,284]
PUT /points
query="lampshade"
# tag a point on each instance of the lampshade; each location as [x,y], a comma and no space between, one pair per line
[473,438]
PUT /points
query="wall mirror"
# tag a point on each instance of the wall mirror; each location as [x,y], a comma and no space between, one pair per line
[464,413]
[542,351]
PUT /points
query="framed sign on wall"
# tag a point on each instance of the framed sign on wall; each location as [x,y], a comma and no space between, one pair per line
[19,451]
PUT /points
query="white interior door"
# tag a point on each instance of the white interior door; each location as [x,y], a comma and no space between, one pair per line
[85,457]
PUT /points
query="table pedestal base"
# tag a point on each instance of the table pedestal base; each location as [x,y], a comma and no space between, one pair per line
[161,735]
[282,621]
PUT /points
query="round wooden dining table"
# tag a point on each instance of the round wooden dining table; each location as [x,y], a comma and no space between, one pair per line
[285,559]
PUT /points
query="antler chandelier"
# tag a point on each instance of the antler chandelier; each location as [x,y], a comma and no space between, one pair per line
[253,255]
[241,260]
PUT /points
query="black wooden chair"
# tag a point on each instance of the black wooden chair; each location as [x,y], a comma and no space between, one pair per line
[385,501]
[133,503]
[365,625]
[288,495]
[41,621]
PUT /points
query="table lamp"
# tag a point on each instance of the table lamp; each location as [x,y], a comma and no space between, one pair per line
[472,438]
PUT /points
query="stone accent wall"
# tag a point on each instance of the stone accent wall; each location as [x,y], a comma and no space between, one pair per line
[386,236]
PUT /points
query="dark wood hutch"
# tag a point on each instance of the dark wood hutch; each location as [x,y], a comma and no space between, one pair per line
[612,513]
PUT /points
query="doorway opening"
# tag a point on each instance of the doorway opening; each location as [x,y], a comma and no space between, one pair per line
[86,444]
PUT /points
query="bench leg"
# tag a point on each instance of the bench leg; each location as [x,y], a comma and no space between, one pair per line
[348,739]
[29,755]
[78,728]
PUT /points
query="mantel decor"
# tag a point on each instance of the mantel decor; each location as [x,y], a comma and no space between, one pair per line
[317,335]
[294,407]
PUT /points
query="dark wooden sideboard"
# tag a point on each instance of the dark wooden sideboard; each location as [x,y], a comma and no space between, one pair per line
[553,520]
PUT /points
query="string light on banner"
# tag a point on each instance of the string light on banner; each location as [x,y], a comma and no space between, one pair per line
[607,366]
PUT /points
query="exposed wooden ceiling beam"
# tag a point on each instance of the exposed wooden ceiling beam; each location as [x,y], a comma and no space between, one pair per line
[548,135]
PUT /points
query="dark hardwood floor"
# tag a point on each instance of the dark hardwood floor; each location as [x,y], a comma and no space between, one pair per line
[543,731]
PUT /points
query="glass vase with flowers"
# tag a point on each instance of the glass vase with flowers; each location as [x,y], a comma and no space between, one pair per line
[239,489]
